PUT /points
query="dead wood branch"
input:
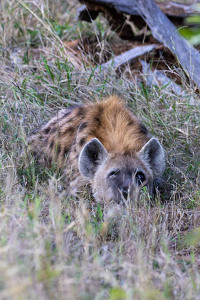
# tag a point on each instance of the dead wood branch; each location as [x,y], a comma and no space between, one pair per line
[161,27]
[164,31]
[116,12]
[127,56]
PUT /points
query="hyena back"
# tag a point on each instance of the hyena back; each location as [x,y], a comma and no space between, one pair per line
[104,145]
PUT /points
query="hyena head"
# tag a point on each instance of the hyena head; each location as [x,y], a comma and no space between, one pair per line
[120,177]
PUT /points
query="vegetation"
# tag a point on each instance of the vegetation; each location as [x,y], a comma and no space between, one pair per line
[192,32]
[53,246]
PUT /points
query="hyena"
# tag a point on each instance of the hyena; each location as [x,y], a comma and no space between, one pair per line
[102,145]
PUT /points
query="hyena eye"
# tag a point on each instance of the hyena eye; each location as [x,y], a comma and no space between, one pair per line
[113,173]
[140,177]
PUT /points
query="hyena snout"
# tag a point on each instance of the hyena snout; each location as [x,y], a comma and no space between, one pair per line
[126,188]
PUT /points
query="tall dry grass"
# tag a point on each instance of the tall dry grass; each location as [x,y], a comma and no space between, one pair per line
[53,246]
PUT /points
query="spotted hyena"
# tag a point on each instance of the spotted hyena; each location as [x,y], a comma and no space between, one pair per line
[102,145]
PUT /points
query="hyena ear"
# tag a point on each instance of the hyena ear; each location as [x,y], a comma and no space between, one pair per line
[152,152]
[91,156]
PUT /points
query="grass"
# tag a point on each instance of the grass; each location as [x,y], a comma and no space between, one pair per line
[53,246]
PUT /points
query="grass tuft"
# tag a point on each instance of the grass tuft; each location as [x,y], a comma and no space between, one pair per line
[52,245]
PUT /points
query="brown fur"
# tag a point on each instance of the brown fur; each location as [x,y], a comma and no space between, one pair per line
[64,136]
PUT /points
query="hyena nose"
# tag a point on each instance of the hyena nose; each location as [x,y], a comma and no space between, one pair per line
[125,192]
[125,188]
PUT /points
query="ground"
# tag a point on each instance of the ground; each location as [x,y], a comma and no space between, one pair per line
[53,246]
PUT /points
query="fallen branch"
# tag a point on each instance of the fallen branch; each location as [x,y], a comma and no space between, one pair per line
[162,29]
[127,56]
[116,12]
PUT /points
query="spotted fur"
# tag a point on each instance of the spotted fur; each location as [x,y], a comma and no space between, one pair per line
[102,136]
